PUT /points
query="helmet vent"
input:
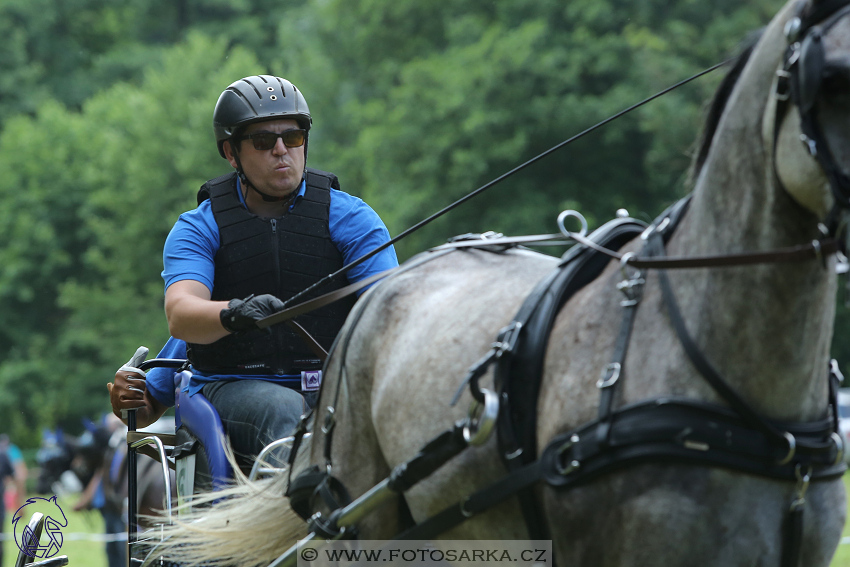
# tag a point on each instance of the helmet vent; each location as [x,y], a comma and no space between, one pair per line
[255,89]
[283,87]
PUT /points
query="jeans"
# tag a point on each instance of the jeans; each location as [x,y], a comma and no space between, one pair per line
[255,413]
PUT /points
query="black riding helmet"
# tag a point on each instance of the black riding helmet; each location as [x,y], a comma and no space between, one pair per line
[255,99]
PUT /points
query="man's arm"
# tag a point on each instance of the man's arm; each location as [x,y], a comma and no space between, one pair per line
[195,318]
[192,315]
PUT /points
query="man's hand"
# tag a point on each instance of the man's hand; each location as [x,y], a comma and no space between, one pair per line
[129,390]
[243,314]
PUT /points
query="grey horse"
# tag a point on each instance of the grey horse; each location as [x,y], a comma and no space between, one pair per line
[766,329]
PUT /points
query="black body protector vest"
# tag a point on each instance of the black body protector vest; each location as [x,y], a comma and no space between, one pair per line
[281,256]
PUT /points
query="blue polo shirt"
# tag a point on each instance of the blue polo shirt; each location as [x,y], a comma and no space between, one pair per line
[192,244]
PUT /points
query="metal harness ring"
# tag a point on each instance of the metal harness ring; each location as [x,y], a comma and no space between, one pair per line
[792,448]
[481,418]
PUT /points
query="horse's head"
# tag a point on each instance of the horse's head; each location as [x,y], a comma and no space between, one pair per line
[811,104]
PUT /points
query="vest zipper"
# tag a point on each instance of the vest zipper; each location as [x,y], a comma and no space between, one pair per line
[276,254]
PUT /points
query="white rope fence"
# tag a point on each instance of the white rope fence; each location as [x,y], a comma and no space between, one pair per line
[81,536]
[123,537]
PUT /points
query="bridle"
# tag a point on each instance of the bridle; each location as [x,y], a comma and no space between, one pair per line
[799,82]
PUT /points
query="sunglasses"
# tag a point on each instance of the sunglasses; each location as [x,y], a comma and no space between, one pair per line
[267,140]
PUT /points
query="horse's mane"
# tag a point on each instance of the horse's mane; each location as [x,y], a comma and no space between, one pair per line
[719,100]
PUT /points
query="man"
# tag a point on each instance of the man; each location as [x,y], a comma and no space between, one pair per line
[259,236]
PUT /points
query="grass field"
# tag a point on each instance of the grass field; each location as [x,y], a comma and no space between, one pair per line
[86,553]
[842,556]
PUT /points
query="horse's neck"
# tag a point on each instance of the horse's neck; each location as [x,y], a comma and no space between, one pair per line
[767,327]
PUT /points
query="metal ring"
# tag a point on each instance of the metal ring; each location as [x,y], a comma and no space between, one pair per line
[792,29]
[466,513]
[624,266]
[574,464]
[792,448]
[794,55]
[330,420]
[574,214]
[607,380]
[481,418]
[839,446]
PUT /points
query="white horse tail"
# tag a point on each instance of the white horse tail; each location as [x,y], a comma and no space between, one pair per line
[248,524]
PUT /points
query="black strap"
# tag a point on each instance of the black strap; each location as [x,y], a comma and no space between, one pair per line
[613,373]
[792,542]
[686,431]
[655,247]
[300,490]
[430,458]
[476,503]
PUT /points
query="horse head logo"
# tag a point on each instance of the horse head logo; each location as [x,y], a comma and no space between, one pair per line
[54,520]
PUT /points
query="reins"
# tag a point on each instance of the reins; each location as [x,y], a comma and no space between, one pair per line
[496,181]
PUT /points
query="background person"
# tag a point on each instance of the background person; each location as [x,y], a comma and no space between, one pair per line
[7,471]
[14,498]
[94,495]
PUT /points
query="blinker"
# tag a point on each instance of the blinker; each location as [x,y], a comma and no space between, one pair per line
[810,69]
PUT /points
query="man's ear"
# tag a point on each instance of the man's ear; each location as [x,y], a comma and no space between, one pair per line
[228,152]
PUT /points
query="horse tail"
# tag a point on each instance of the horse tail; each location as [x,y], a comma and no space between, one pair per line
[249,524]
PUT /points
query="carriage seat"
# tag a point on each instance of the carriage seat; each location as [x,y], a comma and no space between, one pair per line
[198,448]
[200,433]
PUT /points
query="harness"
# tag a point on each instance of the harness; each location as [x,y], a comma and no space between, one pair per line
[667,430]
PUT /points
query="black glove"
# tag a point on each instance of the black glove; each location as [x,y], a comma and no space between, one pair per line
[243,314]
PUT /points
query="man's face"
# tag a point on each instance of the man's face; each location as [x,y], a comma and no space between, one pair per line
[276,172]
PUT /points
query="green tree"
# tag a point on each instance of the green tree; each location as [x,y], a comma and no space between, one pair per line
[87,199]
[69,50]
[434,99]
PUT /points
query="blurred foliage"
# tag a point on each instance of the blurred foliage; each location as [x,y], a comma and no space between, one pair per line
[105,135]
